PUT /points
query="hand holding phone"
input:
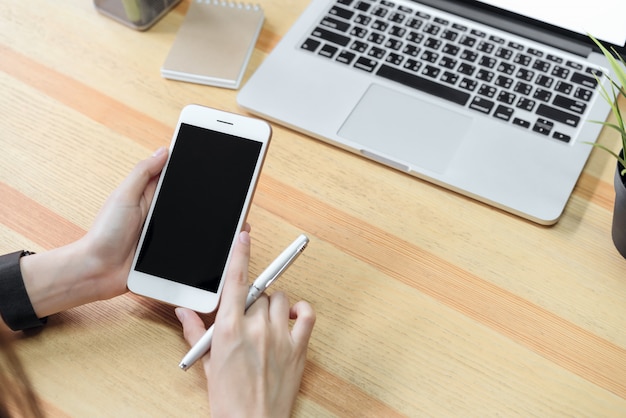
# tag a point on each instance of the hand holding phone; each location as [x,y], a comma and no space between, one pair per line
[200,205]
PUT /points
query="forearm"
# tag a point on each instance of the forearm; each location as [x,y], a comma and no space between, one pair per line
[59,279]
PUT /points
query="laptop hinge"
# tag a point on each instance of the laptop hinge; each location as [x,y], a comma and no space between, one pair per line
[512,23]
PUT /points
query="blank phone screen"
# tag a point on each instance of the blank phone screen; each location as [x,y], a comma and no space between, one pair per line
[198,207]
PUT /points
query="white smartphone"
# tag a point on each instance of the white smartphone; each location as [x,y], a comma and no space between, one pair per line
[199,207]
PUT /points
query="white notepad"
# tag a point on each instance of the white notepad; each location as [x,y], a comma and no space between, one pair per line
[214,43]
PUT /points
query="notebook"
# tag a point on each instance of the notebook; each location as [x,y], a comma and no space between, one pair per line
[214,43]
[491,102]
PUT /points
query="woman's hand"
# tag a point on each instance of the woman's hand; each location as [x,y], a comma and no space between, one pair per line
[96,266]
[257,359]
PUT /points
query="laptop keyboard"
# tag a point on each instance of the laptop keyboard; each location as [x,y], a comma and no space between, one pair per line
[523,85]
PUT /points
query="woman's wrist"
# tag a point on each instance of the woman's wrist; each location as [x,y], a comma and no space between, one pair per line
[59,279]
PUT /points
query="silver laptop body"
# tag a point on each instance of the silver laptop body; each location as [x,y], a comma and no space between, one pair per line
[389,108]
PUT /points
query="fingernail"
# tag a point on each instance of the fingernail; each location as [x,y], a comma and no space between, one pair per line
[180,314]
[159,152]
[244,237]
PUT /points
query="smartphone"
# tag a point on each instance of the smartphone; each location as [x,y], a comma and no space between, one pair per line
[199,207]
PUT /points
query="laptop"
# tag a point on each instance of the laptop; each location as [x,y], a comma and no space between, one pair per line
[488,99]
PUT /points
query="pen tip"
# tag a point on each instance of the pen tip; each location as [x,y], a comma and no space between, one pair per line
[183,366]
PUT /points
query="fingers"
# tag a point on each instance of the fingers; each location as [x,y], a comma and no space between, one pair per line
[233,299]
[193,327]
[143,174]
[304,316]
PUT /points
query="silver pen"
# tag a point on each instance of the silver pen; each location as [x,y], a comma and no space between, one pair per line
[265,279]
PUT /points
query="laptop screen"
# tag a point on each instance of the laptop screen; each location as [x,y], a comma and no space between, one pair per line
[604,19]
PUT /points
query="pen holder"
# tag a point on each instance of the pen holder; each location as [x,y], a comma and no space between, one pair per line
[138,14]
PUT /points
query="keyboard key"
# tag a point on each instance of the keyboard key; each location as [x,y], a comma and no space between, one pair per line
[554,58]
[336,24]
[328,51]
[558,115]
[431,71]
[541,65]
[563,87]
[412,65]
[543,95]
[467,41]
[450,49]
[521,122]
[535,52]
[397,17]
[365,64]
[380,25]
[585,80]
[341,12]
[377,38]
[487,90]
[411,50]
[544,81]
[394,58]
[331,36]
[449,35]
[345,57]
[503,112]
[543,126]
[459,27]
[526,104]
[482,105]
[376,52]
[466,69]
[560,72]
[504,53]
[583,94]
[504,82]
[566,103]
[447,62]
[574,65]
[358,46]
[522,59]
[423,84]
[415,37]
[358,31]
[469,55]
[397,31]
[506,68]
[561,137]
[429,56]
[486,61]
[485,47]
[506,97]
[431,29]
[450,78]
[393,43]
[414,23]
[311,44]
[525,74]
[362,19]
[433,43]
[523,88]
[485,75]
[468,84]
[363,6]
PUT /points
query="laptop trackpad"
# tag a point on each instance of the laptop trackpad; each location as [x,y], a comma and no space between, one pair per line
[405,129]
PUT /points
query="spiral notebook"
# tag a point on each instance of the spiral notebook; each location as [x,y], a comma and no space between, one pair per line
[214,44]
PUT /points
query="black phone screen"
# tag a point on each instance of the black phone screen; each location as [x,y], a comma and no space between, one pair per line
[198,207]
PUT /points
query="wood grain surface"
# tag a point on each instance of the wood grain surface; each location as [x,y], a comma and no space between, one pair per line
[428,303]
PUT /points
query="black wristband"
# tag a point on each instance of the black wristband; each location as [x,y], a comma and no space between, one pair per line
[15,305]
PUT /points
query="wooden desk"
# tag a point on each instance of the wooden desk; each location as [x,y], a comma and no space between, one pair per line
[429,304]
